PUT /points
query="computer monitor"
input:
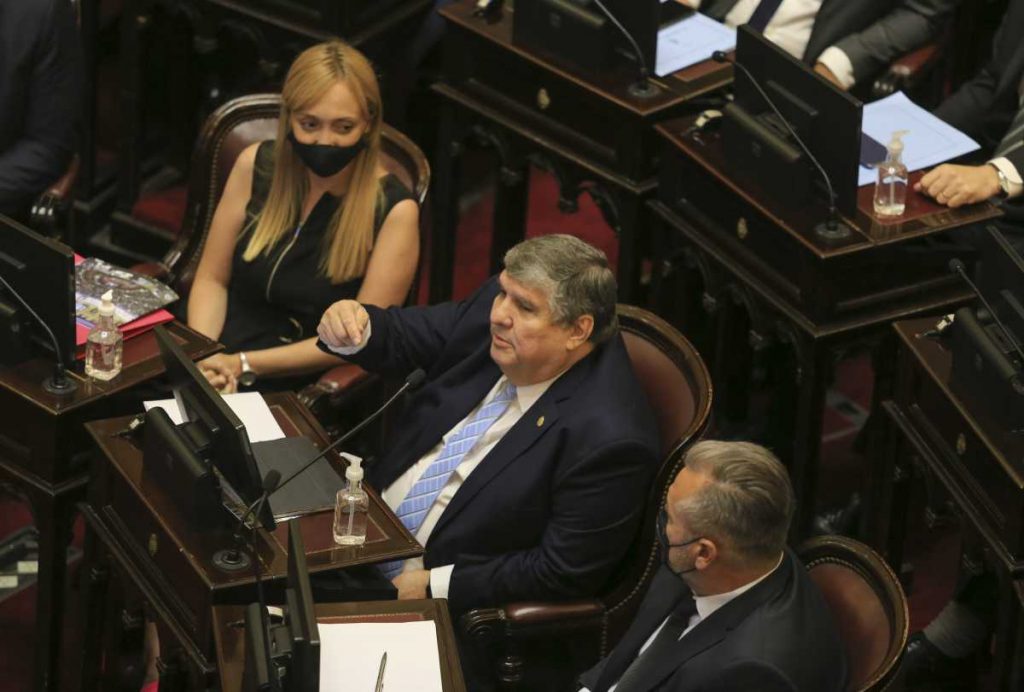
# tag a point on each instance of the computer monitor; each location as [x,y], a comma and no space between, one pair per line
[214,427]
[827,119]
[1000,278]
[42,272]
[304,667]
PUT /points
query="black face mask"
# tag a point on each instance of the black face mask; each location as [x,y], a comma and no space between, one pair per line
[664,545]
[325,160]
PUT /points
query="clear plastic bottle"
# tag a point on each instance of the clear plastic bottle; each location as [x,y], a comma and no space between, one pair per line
[891,189]
[104,345]
[351,506]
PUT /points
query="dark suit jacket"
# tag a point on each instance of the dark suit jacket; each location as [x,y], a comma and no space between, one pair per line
[39,97]
[984,106]
[872,33]
[778,636]
[550,511]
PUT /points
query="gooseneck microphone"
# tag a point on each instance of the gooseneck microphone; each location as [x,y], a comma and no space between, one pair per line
[957,267]
[59,383]
[233,558]
[832,228]
[642,88]
[413,381]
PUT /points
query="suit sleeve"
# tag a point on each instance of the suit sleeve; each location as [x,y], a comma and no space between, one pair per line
[595,510]
[403,339]
[909,25]
[39,157]
[751,675]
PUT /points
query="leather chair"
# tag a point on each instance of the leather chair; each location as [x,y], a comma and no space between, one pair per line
[540,646]
[49,212]
[869,607]
[230,129]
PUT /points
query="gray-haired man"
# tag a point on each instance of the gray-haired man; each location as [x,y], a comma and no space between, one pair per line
[524,462]
[731,608]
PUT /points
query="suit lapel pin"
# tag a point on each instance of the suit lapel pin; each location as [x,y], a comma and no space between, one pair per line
[540,421]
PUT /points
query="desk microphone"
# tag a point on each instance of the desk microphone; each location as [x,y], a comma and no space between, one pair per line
[413,381]
[59,383]
[833,228]
[642,88]
[957,267]
[233,558]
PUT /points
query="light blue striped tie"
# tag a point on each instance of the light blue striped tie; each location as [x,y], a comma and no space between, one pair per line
[418,502]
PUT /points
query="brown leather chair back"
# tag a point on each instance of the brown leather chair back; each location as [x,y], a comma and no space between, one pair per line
[230,129]
[678,387]
[868,604]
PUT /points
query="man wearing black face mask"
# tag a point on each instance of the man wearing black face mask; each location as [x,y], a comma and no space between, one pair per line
[732,608]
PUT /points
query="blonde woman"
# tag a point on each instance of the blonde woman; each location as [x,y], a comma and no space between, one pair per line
[304,221]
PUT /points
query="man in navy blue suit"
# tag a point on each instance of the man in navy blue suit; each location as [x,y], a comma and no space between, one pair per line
[523,464]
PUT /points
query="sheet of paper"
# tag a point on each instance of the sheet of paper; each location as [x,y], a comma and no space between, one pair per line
[250,408]
[929,141]
[350,656]
[691,40]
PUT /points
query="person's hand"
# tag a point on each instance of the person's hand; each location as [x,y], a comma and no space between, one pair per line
[222,371]
[412,584]
[822,69]
[955,185]
[343,324]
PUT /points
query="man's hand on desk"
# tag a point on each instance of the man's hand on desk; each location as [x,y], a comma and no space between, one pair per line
[823,70]
[343,324]
[412,584]
[955,185]
[222,371]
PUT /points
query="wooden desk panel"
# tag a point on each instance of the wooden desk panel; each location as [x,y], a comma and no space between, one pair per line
[159,554]
[230,634]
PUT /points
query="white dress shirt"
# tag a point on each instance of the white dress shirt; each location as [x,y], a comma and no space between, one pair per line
[790,29]
[1012,175]
[706,605]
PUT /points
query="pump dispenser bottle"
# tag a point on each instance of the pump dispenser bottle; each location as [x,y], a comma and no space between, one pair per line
[104,345]
[351,506]
[891,190]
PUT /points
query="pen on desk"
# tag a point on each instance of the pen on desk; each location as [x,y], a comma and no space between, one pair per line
[380,673]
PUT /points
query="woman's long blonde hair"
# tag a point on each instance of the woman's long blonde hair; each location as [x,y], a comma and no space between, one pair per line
[349,239]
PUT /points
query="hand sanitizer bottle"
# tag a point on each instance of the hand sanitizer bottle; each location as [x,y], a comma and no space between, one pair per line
[351,506]
[891,190]
[104,344]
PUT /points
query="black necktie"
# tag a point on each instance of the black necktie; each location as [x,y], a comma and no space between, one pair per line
[763,14]
[664,644]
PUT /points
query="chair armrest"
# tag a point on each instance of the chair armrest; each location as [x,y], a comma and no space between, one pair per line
[533,617]
[338,382]
[906,71]
[48,210]
[156,270]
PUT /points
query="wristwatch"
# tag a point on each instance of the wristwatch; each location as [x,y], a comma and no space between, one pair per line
[248,376]
[1004,182]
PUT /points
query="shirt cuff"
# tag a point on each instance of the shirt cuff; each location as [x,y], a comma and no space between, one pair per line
[839,63]
[440,578]
[1006,167]
[352,350]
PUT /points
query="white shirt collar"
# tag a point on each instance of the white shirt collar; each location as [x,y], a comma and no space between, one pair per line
[527,395]
[706,605]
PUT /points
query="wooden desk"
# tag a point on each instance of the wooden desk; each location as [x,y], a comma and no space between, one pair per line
[769,280]
[44,456]
[979,465]
[140,541]
[230,634]
[586,129]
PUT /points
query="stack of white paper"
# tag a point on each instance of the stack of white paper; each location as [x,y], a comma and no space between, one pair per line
[250,408]
[928,142]
[350,656]
[691,40]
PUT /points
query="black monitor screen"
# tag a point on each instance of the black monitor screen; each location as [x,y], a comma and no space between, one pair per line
[826,118]
[202,405]
[304,671]
[42,271]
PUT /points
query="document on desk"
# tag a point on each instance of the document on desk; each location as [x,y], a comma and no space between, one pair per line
[929,141]
[691,40]
[250,408]
[350,656]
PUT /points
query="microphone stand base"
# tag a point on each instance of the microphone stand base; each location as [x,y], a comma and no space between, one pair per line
[62,388]
[644,89]
[228,560]
[832,232]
